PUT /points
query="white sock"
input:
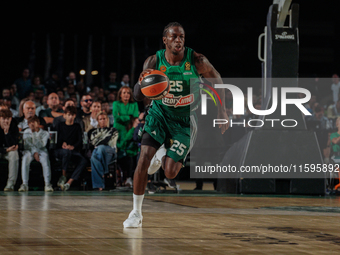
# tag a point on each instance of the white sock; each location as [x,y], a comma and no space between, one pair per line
[137,203]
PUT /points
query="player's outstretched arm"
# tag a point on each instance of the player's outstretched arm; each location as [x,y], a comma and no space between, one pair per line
[207,70]
[149,65]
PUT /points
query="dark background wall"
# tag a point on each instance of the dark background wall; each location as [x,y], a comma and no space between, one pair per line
[226,32]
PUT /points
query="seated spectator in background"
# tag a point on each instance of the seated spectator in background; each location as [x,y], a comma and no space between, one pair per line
[52,83]
[310,105]
[38,96]
[85,103]
[57,120]
[37,84]
[95,90]
[335,87]
[61,94]
[335,142]
[43,106]
[112,85]
[35,141]
[69,143]
[106,108]
[53,109]
[104,140]
[91,120]
[319,115]
[8,102]
[125,80]
[101,96]
[123,111]
[333,111]
[71,79]
[71,89]
[111,98]
[23,84]
[31,96]
[15,97]
[9,134]
[73,96]
[28,112]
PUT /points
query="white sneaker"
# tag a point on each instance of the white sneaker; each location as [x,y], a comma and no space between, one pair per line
[134,220]
[156,161]
[48,188]
[23,188]
[128,182]
[9,187]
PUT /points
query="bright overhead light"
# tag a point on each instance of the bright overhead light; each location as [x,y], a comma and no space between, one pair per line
[82,72]
[94,72]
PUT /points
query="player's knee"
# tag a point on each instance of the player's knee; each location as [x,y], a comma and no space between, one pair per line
[170,174]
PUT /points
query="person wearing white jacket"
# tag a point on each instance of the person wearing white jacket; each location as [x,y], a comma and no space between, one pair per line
[35,140]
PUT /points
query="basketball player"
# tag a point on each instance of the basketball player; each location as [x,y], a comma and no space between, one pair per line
[166,122]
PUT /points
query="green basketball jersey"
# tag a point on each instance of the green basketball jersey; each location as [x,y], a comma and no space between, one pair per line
[183,95]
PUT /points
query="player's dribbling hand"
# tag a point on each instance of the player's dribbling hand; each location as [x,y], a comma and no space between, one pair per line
[141,76]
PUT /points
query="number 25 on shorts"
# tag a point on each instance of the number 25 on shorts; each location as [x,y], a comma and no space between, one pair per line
[178,148]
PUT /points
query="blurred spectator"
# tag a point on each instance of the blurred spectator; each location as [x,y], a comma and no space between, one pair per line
[68,146]
[101,96]
[90,121]
[37,84]
[95,90]
[31,96]
[71,90]
[14,96]
[335,142]
[8,102]
[38,96]
[53,83]
[35,141]
[21,106]
[125,80]
[61,94]
[335,87]
[57,120]
[23,84]
[86,102]
[53,109]
[71,79]
[129,150]
[43,106]
[28,112]
[318,115]
[124,111]
[81,89]
[112,85]
[104,140]
[310,105]
[333,111]
[9,134]
[111,98]
[106,108]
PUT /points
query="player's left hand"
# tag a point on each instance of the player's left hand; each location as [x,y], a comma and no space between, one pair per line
[222,114]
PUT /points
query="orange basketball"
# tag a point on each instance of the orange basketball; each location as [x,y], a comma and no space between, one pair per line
[155,85]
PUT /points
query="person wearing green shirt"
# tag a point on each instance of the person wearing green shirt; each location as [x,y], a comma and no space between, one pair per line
[335,141]
[125,112]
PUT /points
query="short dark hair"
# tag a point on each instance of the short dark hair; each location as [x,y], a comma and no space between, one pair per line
[71,109]
[69,99]
[171,24]
[6,113]
[34,118]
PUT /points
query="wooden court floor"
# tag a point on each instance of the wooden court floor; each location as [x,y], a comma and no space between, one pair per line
[91,223]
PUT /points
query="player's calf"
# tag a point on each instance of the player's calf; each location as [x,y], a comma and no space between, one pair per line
[171,168]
